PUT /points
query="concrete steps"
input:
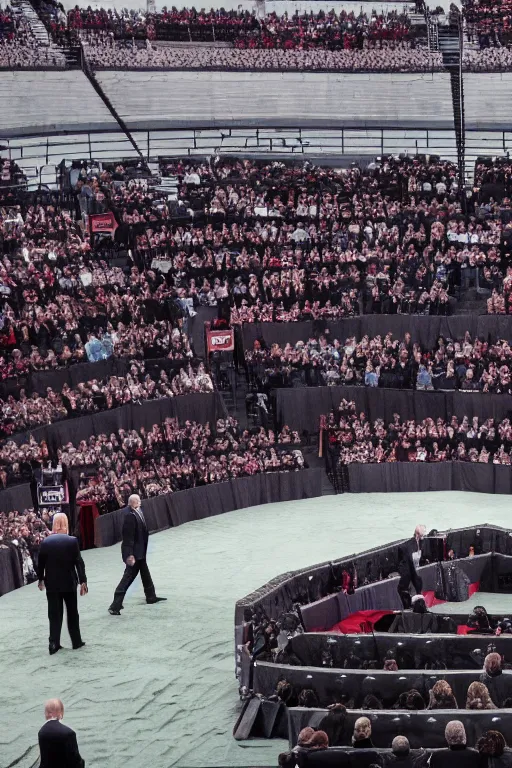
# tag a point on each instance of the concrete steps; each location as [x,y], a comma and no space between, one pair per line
[37,27]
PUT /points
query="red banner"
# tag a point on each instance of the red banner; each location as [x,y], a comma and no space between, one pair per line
[220,341]
[103,223]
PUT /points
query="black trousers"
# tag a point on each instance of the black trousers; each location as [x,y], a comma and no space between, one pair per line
[56,601]
[130,574]
[408,577]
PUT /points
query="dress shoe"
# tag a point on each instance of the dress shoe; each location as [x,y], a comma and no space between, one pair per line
[114,612]
[151,600]
[54,648]
[80,645]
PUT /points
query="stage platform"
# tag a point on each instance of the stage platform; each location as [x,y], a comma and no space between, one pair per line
[155,687]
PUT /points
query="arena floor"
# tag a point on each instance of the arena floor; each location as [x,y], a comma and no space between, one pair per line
[155,687]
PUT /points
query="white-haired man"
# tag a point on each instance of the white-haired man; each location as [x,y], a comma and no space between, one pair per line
[60,569]
[133,551]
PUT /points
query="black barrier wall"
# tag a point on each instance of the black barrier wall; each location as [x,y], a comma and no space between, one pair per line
[423,330]
[301,408]
[173,509]
[202,408]
[445,476]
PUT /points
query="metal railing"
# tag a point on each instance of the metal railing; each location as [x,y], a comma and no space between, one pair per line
[38,154]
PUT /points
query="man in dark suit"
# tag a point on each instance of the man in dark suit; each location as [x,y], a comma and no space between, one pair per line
[60,569]
[57,742]
[133,551]
[409,557]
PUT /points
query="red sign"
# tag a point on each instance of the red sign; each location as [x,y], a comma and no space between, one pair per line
[220,341]
[103,223]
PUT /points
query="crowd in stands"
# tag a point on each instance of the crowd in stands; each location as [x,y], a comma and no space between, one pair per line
[308,30]
[238,40]
[18,45]
[23,413]
[469,365]
[258,240]
[488,27]
[173,457]
[63,304]
[399,57]
[130,39]
[24,531]
[488,23]
[290,243]
[357,440]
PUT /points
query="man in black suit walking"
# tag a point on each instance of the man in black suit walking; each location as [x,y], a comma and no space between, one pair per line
[60,569]
[57,742]
[133,551]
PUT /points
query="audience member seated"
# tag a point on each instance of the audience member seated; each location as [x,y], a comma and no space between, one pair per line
[310,742]
[441,696]
[412,699]
[334,725]
[362,736]
[478,697]
[494,751]
[479,621]
[493,680]
[401,754]
[458,754]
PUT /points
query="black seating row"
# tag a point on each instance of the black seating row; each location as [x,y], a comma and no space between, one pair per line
[411,651]
[423,729]
[334,685]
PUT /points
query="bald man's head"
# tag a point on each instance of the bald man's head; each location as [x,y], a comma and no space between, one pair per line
[54,709]
[60,523]
[400,745]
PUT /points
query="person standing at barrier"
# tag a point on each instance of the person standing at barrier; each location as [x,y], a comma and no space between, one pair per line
[60,569]
[409,558]
[57,743]
[133,551]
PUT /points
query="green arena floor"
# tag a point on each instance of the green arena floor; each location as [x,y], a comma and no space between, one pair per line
[155,687]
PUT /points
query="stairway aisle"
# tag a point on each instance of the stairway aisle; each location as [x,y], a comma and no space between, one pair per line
[36,25]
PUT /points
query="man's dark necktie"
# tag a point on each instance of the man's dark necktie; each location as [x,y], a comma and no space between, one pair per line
[139,513]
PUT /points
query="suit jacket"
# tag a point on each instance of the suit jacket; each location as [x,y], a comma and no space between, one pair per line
[405,562]
[456,757]
[60,563]
[135,536]
[58,746]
